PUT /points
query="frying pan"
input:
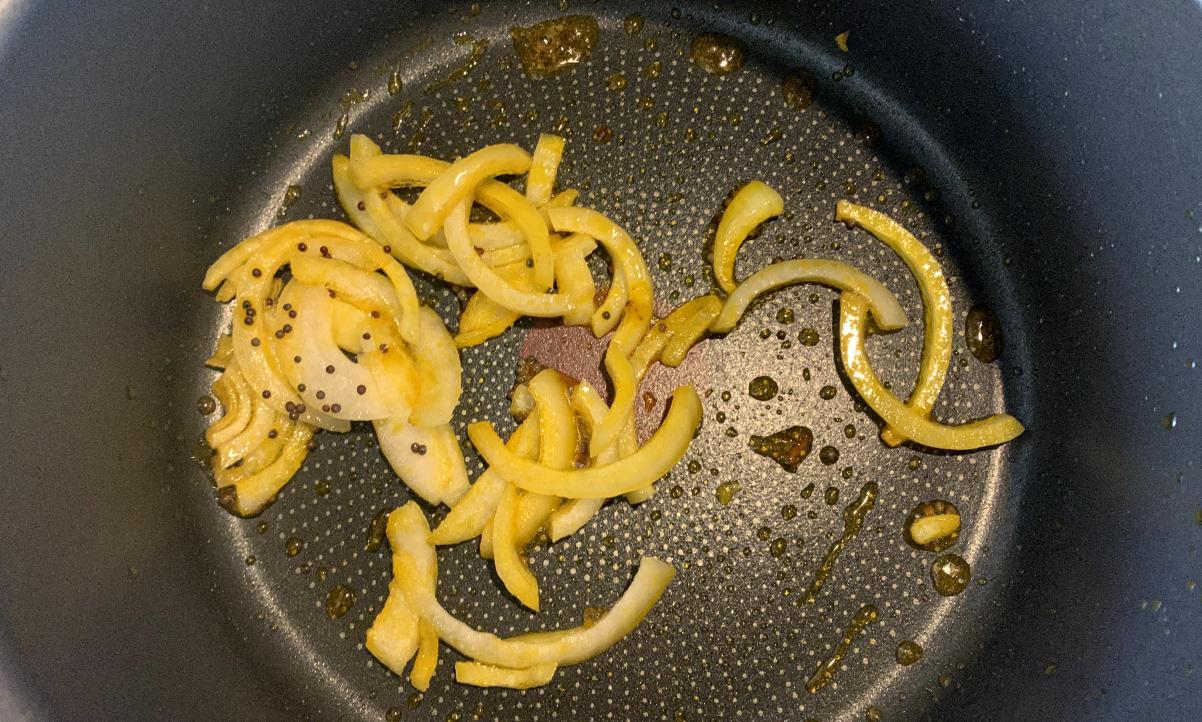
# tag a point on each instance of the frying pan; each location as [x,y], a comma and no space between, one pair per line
[1051,153]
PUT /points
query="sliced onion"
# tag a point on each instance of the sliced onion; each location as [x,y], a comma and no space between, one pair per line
[753,204]
[427,458]
[654,459]
[439,372]
[487,675]
[911,423]
[543,167]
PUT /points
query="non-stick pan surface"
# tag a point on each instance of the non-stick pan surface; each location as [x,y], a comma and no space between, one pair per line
[143,561]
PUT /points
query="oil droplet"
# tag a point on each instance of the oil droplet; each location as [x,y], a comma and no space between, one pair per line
[831,495]
[664,262]
[293,546]
[1169,422]
[779,545]
[983,334]
[694,466]
[616,82]
[798,89]
[807,491]
[376,531]
[827,392]
[717,53]
[784,315]
[726,492]
[853,522]
[788,511]
[720,417]
[950,574]
[633,24]
[849,431]
[828,455]
[731,432]
[763,533]
[321,487]
[725,396]
[808,337]
[763,388]
[661,120]
[415,700]
[250,560]
[262,527]
[847,472]
[773,135]
[827,668]
[788,447]
[552,46]
[206,405]
[339,601]
[907,653]
[872,714]
[394,82]
[915,463]
[944,680]
[676,492]
[393,714]
[603,134]
[653,69]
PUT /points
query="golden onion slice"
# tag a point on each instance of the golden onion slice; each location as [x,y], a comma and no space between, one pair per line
[636,315]
[574,646]
[654,459]
[479,505]
[936,304]
[686,332]
[574,278]
[487,675]
[911,423]
[236,407]
[511,568]
[394,637]
[548,152]
[427,458]
[753,204]
[222,353]
[836,274]
[621,373]
[251,495]
[439,373]
[262,419]
[457,183]
[427,657]
[573,514]
[223,268]
[484,318]
[544,305]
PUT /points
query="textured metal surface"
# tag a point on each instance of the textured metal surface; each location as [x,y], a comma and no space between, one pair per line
[732,637]
[144,138]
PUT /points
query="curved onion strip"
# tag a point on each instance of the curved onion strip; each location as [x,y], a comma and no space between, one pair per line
[936,304]
[371,213]
[439,373]
[415,170]
[650,348]
[574,646]
[355,331]
[262,419]
[469,515]
[256,460]
[543,166]
[911,423]
[654,459]
[365,290]
[511,568]
[836,274]
[487,675]
[625,386]
[393,637]
[686,332]
[456,184]
[543,305]
[251,495]
[438,475]
[607,316]
[228,262]
[484,318]
[328,378]
[753,204]
[236,413]
[574,278]
[636,316]
[572,515]
[427,657]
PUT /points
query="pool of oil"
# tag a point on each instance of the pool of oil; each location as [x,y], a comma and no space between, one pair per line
[736,634]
